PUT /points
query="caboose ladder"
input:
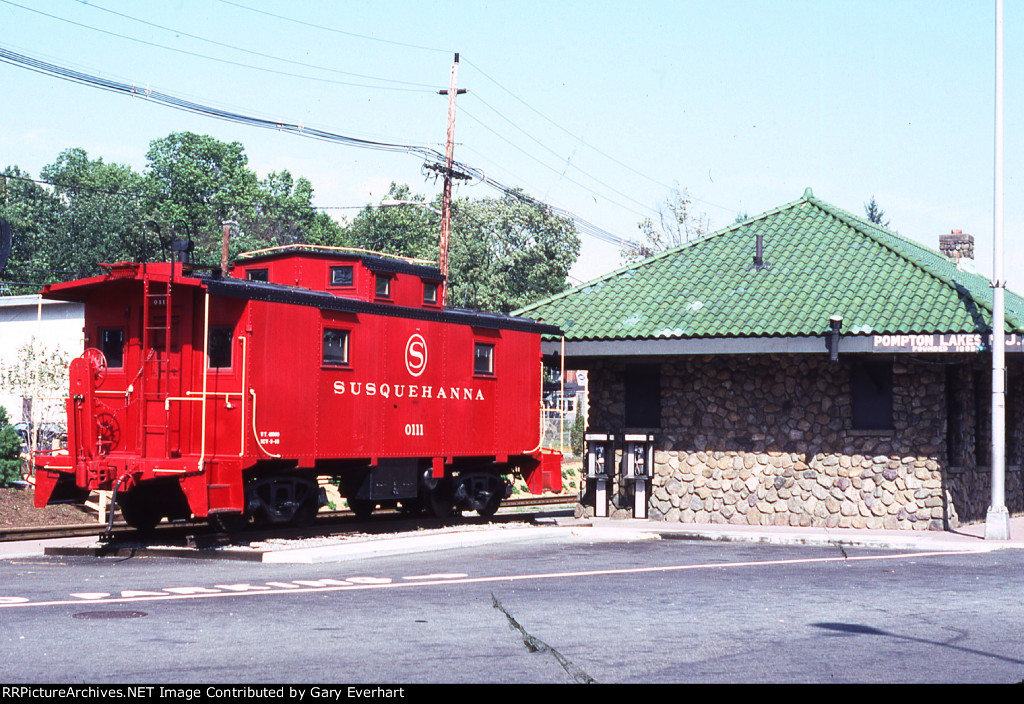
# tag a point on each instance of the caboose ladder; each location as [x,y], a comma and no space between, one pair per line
[156,359]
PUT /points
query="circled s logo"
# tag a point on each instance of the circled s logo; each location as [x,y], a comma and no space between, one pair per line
[416,355]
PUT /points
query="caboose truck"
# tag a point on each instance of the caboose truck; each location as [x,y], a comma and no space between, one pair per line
[227,395]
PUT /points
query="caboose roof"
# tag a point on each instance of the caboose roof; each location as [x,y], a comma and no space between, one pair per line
[279,293]
[377,261]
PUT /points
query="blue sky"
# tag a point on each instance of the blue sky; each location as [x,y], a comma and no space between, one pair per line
[596,107]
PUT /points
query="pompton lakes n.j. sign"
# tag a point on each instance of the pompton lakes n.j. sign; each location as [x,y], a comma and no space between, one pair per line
[942,343]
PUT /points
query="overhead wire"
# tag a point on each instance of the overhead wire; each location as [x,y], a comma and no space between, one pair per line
[429,154]
[147,93]
[423,87]
[93,6]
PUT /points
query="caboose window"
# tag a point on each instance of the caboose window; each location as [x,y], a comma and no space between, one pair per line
[335,347]
[220,347]
[257,274]
[483,358]
[341,276]
[112,346]
[383,286]
[430,292]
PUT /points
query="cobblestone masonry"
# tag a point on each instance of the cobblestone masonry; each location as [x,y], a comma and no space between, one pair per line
[768,440]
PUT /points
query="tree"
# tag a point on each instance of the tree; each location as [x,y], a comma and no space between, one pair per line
[32,212]
[39,373]
[874,213]
[196,183]
[507,253]
[406,230]
[101,216]
[677,224]
[10,452]
[283,214]
[504,253]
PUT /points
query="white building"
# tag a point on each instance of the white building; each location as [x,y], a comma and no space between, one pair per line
[49,326]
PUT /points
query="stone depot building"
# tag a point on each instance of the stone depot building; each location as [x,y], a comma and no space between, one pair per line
[804,367]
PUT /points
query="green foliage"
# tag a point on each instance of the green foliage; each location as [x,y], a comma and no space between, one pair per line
[576,439]
[95,222]
[32,212]
[503,253]
[406,230]
[507,253]
[10,452]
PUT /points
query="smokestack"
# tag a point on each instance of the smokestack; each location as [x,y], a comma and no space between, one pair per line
[225,239]
[956,245]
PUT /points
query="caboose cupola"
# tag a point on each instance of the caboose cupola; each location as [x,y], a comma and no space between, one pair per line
[348,273]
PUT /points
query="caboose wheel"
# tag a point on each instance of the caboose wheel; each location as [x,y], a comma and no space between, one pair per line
[139,509]
[491,506]
[440,501]
[363,508]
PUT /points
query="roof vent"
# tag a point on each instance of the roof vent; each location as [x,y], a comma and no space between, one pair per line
[956,245]
[759,262]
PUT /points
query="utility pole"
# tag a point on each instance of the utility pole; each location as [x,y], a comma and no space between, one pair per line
[997,521]
[449,161]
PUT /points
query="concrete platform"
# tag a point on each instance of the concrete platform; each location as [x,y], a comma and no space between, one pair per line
[550,527]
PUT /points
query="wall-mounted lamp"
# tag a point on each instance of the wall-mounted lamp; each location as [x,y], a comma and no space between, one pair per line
[835,323]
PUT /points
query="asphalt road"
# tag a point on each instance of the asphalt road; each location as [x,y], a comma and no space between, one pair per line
[550,611]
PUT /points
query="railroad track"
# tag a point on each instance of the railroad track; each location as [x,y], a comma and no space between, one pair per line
[121,530]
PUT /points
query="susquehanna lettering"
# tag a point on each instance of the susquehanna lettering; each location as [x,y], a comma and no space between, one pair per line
[370,388]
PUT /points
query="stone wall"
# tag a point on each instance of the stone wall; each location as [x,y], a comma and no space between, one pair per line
[769,440]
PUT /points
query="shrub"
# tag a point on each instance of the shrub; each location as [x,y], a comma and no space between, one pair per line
[576,435]
[10,452]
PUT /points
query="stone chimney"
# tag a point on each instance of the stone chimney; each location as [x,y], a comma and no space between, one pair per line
[956,245]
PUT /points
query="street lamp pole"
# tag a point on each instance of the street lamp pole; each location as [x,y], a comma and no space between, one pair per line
[997,521]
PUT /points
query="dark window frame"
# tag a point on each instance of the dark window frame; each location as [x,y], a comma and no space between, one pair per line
[220,353]
[642,396]
[431,293]
[348,280]
[872,401]
[115,360]
[490,368]
[336,361]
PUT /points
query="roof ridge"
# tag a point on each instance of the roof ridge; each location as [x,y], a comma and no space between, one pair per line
[869,229]
[662,254]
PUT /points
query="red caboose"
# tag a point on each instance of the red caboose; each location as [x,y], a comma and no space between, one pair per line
[228,396]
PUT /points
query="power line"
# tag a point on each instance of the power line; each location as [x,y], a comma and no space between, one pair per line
[433,159]
[334,30]
[587,144]
[94,6]
[225,61]
[168,100]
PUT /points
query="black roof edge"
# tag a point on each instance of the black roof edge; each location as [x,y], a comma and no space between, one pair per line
[277,293]
[373,262]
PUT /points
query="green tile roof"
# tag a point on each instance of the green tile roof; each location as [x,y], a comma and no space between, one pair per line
[820,261]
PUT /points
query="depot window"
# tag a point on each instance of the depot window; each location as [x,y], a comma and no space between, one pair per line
[872,397]
[483,358]
[219,352]
[112,346]
[335,347]
[341,276]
